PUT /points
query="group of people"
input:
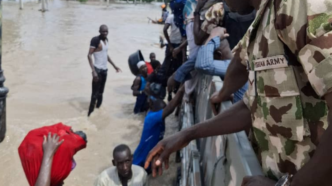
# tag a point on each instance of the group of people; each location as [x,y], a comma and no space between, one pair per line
[278,77]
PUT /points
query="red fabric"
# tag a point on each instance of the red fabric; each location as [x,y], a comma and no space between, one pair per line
[149,66]
[31,152]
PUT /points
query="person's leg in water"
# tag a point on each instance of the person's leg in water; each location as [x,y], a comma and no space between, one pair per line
[103,78]
[95,92]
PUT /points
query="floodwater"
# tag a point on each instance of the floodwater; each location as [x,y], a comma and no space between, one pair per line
[46,67]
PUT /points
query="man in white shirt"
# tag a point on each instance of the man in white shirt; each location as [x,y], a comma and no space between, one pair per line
[174,39]
[123,173]
[99,48]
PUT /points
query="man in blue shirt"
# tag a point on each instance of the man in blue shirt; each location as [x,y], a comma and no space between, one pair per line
[138,88]
[154,125]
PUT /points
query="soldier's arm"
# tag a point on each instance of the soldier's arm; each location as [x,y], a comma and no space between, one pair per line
[236,77]
[235,119]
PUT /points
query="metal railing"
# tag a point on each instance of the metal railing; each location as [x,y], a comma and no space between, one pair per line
[218,160]
[3,90]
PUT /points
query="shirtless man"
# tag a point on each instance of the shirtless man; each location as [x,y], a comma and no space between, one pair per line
[99,48]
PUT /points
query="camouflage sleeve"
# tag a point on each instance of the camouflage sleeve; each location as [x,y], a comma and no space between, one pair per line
[240,52]
[308,34]
[213,17]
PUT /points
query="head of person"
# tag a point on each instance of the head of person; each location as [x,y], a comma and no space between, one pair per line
[155,65]
[163,7]
[103,30]
[155,103]
[143,70]
[82,135]
[122,160]
[242,7]
[152,56]
[224,51]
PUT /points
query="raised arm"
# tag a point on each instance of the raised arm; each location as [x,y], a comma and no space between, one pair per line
[176,101]
[236,76]
[50,146]
[199,35]
[235,119]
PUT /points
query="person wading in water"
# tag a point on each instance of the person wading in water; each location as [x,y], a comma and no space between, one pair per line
[99,47]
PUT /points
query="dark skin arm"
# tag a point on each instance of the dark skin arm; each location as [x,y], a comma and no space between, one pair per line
[235,119]
[236,77]
[50,146]
[199,35]
[166,27]
[136,86]
[176,101]
[180,48]
[94,73]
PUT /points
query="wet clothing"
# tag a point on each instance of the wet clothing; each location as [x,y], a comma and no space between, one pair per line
[177,7]
[175,35]
[170,64]
[288,53]
[100,56]
[31,152]
[153,132]
[149,67]
[98,89]
[141,104]
[160,79]
[110,177]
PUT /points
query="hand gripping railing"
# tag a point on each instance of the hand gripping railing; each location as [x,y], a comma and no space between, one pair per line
[218,160]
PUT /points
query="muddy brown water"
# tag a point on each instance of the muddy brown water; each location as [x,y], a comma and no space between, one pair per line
[46,67]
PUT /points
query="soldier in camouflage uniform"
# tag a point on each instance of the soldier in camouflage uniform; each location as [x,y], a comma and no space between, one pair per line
[286,55]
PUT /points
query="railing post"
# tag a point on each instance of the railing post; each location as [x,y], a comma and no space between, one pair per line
[3,90]
[21,4]
[43,8]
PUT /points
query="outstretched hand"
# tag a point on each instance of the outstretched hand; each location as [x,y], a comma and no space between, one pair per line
[51,144]
[159,155]
[117,69]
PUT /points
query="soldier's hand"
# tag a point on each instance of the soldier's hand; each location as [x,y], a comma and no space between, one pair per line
[159,155]
[215,102]
[257,181]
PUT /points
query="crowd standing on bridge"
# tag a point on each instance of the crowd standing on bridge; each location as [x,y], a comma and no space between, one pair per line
[278,76]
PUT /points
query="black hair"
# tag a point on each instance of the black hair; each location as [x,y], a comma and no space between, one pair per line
[155,64]
[120,148]
[103,26]
[82,134]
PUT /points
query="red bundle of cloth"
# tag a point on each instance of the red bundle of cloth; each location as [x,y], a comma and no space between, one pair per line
[31,152]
